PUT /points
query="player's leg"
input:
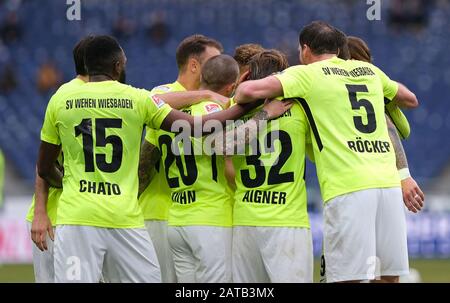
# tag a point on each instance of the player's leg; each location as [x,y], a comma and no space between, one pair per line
[247,263]
[157,230]
[392,248]
[287,253]
[130,256]
[183,258]
[78,253]
[211,248]
[44,270]
[349,240]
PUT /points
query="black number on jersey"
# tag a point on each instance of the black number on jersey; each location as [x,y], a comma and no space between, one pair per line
[371,125]
[274,177]
[188,170]
[101,124]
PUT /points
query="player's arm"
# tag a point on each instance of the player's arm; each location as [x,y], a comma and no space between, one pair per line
[237,138]
[413,196]
[230,173]
[46,165]
[179,100]
[252,90]
[405,98]
[147,160]
[395,91]
[399,119]
[41,223]
[231,113]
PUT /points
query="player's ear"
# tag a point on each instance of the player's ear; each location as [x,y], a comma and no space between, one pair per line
[230,88]
[118,67]
[194,65]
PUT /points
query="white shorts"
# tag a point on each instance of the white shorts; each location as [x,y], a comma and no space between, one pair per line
[123,254]
[365,236]
[44,271]
[157,229]
[202,254]
[272,255]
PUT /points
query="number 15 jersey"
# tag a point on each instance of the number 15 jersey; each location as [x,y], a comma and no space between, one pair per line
[99,126]
[344,102]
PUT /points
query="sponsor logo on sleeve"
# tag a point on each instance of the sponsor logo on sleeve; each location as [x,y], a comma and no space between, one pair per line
[158,101]
[212,108]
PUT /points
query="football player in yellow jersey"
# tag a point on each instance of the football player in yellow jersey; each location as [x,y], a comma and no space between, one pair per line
[100,226]
[242,54]
[41,216]
[272,240]
[155,200]
[364,220]
[200,216]
[201,212]
[358,50]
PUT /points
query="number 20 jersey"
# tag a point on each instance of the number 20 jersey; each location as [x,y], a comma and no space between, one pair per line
[99,126]
[199,191]
[270,184]
[344,102]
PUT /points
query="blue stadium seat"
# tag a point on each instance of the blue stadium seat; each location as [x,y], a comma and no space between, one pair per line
[415,59]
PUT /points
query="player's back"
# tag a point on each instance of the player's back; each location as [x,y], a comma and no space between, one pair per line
[344,101]
[100,125]
[54,193]
[199,191]
[270,185]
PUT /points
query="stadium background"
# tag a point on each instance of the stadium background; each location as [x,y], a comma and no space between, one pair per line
[410,43]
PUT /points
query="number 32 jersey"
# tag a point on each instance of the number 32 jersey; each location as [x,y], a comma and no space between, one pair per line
[270,184]
[99,126]
[344,102]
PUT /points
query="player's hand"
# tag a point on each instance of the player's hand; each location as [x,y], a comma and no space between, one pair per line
[413,196]
[40,226]
[223,101]
[276,108]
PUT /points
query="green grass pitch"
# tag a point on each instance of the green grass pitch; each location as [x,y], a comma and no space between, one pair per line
[432,270]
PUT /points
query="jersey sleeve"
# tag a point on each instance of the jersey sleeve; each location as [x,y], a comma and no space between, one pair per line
[151,136]
[49,131]
[156,110]
[296,81]
[390,87]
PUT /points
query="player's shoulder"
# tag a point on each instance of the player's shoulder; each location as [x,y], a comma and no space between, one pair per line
[303,71]
[69,87]
[167,88]
[135,93]
[65,90]
[164,88]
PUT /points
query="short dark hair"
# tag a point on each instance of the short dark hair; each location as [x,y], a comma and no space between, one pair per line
[101,54]
[219,71]
[194,45]
[243,53]
[266,63]
[78,55]
[358,49]
[322,38]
